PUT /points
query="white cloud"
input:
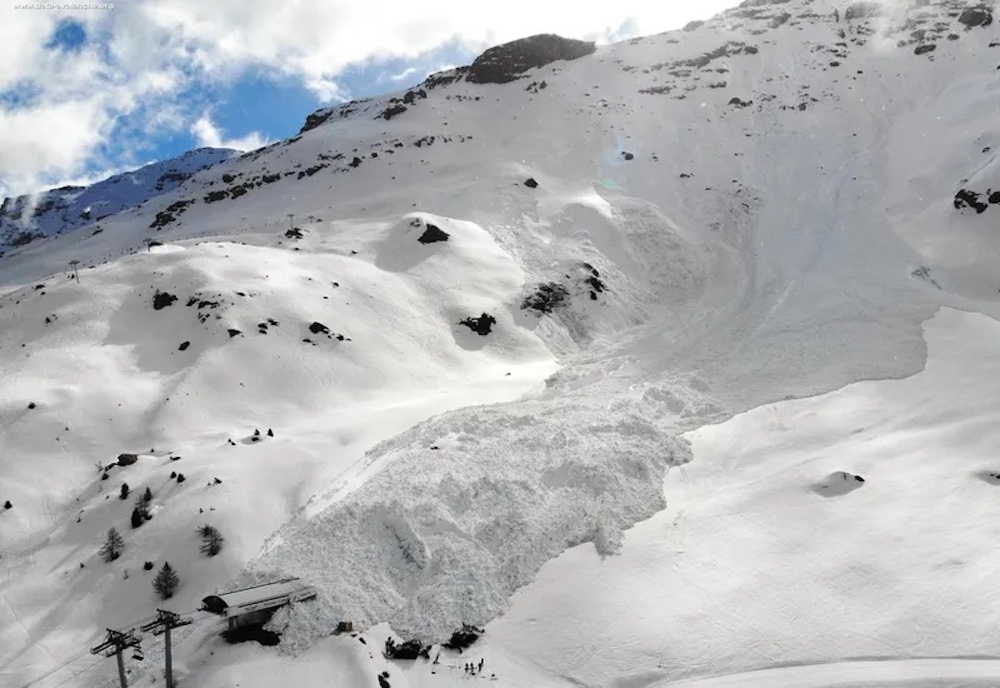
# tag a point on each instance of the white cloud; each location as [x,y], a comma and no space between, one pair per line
[405,74]
[147,51]
[208,134]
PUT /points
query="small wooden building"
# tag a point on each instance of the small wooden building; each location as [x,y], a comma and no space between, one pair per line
[256,604]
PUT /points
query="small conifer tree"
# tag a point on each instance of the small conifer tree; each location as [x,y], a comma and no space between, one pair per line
[125,491]
[211,540]
[113,546]
[166,581]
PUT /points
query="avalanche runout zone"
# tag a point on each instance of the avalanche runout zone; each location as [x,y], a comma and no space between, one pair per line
[441,537]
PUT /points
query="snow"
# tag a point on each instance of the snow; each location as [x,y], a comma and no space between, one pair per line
[653,483]
[749,567]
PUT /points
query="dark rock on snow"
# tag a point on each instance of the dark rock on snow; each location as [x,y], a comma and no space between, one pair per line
[976,16]
[432,234]
[531,183]
[127,459]
[965,198]
[546,298]
[504,63]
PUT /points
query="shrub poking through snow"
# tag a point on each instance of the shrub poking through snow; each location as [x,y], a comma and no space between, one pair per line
[181,478]
[211,540]
[141,512]
[113,546]
[124,491]
[481,325]
[166,581]
[8,505]
[148,566]
[162,299]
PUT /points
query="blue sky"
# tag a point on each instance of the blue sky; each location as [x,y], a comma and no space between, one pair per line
[87,93]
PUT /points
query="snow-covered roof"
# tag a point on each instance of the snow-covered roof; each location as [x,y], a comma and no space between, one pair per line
[261,596]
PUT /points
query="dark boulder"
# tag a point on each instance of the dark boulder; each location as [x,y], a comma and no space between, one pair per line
[184,346]
[318,327]
[926,48]
[503,63]
[976,16]
[127,459]
[432,234]
[531,183]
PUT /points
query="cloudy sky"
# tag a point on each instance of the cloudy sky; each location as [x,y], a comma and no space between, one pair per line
[88,92]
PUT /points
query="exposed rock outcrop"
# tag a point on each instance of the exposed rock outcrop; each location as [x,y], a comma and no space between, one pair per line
[504,63]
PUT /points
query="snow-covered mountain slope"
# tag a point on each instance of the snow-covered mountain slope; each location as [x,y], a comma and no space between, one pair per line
[27,218]
[662,242]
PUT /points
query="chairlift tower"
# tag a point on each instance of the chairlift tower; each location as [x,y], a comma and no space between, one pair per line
[163,624]
[113,646]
